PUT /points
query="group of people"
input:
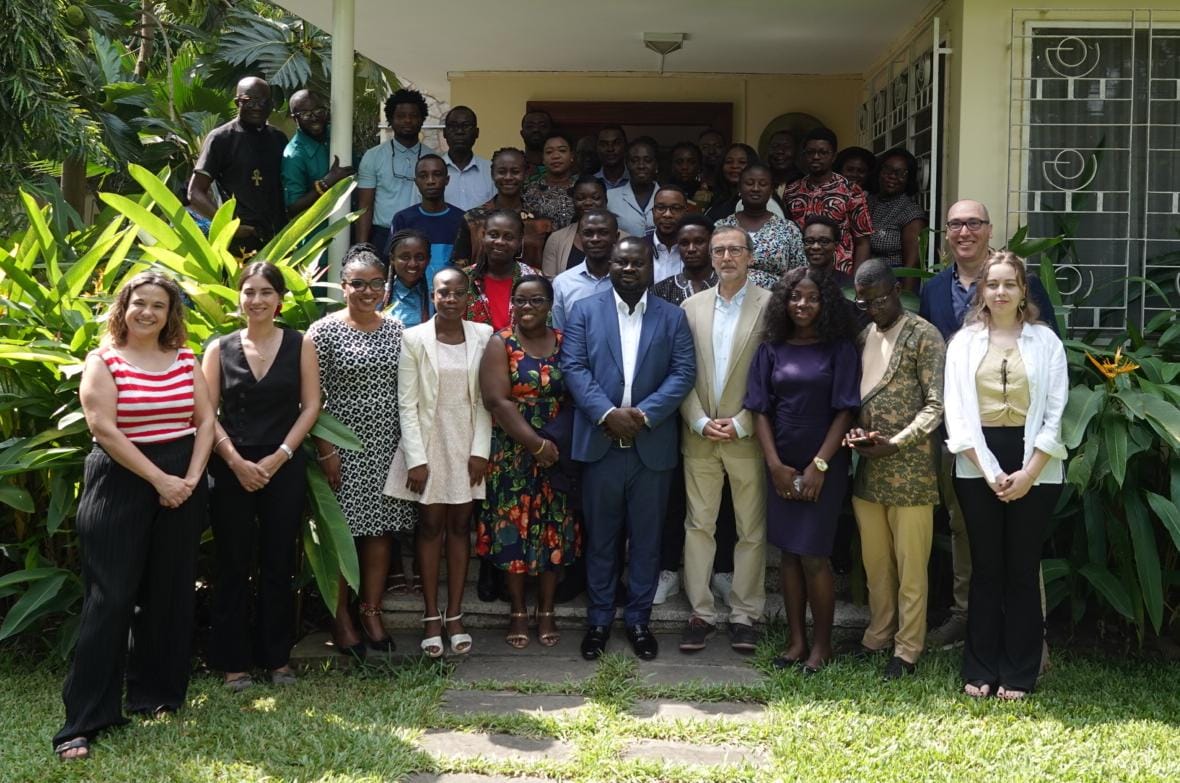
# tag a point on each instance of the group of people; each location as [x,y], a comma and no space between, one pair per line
[612,405]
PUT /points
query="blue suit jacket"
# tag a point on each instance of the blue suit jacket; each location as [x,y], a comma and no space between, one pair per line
[937,308]
[592,363]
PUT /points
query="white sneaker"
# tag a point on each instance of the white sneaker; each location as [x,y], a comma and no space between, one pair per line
[722,584]
[668,586]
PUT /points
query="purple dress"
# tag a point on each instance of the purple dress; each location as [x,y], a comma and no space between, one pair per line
[802,388]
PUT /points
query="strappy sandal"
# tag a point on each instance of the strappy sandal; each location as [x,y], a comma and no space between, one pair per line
[416,584]
[77,743]
[397,584]
[378,645]
[518,641]
[460,642]
[239,684]
[432,646]
[551,638]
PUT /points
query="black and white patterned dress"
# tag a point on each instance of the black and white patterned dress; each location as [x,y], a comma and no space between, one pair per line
[358,376]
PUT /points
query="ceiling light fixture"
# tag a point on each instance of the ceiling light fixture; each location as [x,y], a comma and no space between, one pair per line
[664,44]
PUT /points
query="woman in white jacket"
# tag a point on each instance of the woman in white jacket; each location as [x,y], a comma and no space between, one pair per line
[443,454]
[1006,387]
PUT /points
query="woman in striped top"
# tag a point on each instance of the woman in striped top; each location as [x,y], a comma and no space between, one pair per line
[141,514]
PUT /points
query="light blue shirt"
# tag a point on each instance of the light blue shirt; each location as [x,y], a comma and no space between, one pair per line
[572,285]
[725,321]
[612,184]
[405,304]
[472,186]
[388,168]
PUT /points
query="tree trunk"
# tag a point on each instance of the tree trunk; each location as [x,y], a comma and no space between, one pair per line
[147,38]
[73,183]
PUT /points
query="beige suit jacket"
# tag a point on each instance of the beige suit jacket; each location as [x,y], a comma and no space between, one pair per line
[702,399]
[418,392]
[557,250]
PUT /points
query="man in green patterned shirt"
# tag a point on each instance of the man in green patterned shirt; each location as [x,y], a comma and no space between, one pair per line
[896,484]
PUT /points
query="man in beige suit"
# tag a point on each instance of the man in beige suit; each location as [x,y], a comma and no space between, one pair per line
[716,440]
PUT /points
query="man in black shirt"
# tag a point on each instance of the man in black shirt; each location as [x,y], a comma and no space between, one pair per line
[244,157]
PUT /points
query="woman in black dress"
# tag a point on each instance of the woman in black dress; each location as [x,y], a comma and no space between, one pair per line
[266,381]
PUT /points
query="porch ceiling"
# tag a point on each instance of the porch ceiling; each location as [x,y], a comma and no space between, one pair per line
[424,40]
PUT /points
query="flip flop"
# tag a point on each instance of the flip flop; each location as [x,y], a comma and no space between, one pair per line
[77,743]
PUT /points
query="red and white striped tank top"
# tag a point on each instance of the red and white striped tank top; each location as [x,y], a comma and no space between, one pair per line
[153,407]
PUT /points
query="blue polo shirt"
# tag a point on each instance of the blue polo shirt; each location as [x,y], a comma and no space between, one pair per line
[440,227]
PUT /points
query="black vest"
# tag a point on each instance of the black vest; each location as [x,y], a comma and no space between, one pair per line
[260,413]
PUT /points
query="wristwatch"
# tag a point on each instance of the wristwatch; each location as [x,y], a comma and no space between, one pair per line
[821,464]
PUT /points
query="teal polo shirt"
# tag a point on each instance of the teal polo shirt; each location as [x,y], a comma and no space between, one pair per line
[304,161]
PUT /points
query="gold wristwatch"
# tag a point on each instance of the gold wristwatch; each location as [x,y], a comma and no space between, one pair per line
[821,464]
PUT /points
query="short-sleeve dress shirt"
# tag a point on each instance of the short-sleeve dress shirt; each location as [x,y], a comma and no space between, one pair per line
[388,168]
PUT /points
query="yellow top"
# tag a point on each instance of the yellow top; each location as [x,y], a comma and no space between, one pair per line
[1002,386]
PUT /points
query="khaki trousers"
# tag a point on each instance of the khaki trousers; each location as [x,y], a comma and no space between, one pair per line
[895,545]
[703,481]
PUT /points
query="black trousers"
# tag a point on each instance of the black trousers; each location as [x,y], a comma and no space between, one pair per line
[672,542]
[1005,627]
[139,563]
[255,530]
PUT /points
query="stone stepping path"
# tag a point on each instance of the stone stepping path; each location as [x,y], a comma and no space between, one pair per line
[464,703]
[497,747]
[691,754]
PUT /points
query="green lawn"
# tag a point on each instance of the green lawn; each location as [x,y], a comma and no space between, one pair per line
[1092,720]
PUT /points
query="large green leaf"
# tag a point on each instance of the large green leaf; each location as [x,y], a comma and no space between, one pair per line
[1093,517]
[1168,514]
[1109,588]
[332,430]
[1147,558]
[1164,418]
[32,604]
[1084,402]
[1053,569]
[333,527]
[17,497]
[1114,435]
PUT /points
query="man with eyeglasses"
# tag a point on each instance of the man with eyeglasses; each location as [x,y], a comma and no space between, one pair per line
[385,182]
[245,158]
[470,182]
[716,441]
[945,299]
[307,173]
[668,206]
[896,484]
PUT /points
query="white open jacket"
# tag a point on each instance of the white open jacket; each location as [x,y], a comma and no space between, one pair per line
[1048,386]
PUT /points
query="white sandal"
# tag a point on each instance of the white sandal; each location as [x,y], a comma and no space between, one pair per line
[460,642]
[432,646]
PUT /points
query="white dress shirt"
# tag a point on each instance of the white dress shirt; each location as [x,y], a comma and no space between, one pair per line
[725,320]
[630,327]
[471,186]
[1048,386]
[666,259]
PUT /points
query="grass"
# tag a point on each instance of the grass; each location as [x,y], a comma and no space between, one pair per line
[1092,720]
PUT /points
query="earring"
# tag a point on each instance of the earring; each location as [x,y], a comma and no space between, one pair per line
[1020,307]
[278,310]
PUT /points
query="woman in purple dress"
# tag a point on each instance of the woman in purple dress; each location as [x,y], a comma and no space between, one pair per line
[804,388]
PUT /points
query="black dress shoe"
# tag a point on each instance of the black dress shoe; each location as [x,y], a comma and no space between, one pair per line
[643,642]
[594,642]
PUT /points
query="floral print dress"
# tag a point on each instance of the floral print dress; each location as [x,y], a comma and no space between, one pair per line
[525,525]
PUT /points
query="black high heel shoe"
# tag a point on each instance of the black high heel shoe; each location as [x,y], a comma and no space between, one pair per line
[377,645]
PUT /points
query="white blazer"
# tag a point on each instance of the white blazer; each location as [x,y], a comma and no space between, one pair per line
[1048,390]
[417,390]
[633,219]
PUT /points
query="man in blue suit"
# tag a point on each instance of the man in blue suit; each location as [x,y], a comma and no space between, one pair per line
[628,361]
[945,299]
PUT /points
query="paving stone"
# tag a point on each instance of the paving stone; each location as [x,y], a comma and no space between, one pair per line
[740,712]
[691,754]
[505,747]
[504,703]
[451,777]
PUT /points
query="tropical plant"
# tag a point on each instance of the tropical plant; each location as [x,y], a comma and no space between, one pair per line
[54,287]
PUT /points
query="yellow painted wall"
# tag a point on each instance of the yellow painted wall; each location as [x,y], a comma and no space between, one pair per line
[977,141]
[498,98]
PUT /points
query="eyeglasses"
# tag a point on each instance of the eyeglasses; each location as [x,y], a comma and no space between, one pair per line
[393,163]
[721,251]
[818,241]
[872,304]
[974,224]
[448,295]
[310,114]
[669,208]
[361,285]
[247,102]
[894,171]
[535,302]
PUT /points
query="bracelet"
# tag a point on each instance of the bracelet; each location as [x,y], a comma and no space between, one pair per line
[283,447]
[540,448]
[329,455]
[219,442]
[320,187]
